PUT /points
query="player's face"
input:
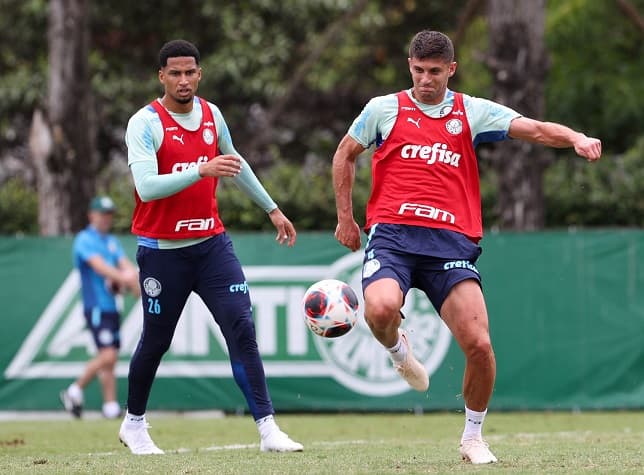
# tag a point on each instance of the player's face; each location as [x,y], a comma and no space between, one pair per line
[430,78]
[180,79]
[101,221]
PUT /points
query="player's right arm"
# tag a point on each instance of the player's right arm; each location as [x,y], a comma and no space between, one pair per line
[370,127]
[86,251]
[114,274]
[347,231]
[129,271]
[143,138]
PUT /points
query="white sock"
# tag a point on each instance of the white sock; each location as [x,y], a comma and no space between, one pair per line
[398,352]
[134,419]
[75,392]
[266,425]
[473,424]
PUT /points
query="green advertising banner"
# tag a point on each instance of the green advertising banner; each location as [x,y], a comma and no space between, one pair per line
[566,315]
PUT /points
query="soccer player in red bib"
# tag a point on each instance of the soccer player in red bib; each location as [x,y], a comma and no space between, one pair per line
[424,214]
[178,148]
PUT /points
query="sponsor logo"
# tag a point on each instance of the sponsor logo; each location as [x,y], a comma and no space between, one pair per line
[152,287]
[458,113]
[183,166]
[437,152]
[171,129]
[208,124]
[406,108]
[178,138]
[454,126]
[195,224]
[460,265]
[415,122]
[426,211]
[243,288]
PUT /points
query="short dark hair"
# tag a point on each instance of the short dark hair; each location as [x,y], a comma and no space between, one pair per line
[431,44]
[176,49]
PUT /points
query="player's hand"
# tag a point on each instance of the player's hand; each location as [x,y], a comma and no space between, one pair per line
[285,229]
[130,281]
[590,148]
[221,165]
[348,234]
[112,286]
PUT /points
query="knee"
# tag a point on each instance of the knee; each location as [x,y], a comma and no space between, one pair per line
[155,341]
[479,352]
[107,358]
[161,346]
[243,329]
[381,312]
[240,337]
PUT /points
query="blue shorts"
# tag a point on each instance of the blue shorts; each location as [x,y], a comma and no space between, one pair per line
[105,327]
[432,260]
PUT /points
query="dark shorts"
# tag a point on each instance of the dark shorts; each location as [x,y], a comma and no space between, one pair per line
[432,260]
[210,269]
[105,328]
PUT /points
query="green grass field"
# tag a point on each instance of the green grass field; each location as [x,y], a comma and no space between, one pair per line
[525,443]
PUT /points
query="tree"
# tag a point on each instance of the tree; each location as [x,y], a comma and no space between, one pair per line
[309,67]
[595,84]
[62,138]
[518,60]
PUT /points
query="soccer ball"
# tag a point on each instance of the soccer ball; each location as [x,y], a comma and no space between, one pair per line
[330,308]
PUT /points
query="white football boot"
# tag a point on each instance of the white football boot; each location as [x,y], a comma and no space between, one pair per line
[411,369]
[278,441]
[134,435]
[476,451]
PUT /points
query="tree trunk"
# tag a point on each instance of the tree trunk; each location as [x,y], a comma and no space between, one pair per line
[63,140]
[518,60]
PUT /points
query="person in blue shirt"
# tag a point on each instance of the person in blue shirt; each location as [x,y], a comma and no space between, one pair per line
[104,272]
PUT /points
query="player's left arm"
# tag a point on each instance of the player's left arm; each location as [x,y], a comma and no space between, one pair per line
[555,135]
[247,182]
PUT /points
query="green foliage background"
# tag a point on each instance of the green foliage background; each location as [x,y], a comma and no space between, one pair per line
[252,49]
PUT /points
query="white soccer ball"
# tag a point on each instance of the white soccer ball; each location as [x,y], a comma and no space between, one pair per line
[330,308]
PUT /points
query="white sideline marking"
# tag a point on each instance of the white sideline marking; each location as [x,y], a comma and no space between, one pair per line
[184,450]
[321,443]
[540,435]
[232,447]
[62,415]
[351,442]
